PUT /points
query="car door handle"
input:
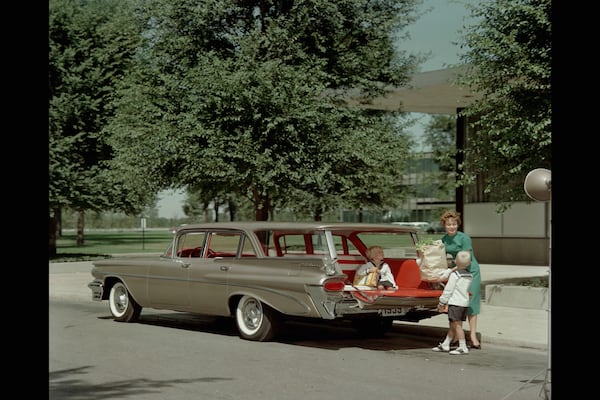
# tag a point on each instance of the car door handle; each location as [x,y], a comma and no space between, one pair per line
[184,264]
[224,268]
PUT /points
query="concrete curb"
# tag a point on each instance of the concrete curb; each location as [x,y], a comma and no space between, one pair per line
[517,296]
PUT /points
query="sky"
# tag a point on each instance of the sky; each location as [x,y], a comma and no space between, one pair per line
[432,33]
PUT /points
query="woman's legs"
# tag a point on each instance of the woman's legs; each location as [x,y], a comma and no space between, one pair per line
[473,330]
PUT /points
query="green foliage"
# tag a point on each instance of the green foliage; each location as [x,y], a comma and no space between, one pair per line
[535,282]
[509,55]
[91,44]
[440,136]
[424,242]
[247,99]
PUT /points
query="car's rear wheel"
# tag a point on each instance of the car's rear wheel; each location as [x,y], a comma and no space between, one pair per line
[372,327]
[122,306]
[256,321]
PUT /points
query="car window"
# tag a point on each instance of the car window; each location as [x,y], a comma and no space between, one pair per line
[343,246]
[319,244]
[224,244]
[301,243]
[292,244]
[265,237]
[247,248]
[191,244]
[395,245]
[281,243]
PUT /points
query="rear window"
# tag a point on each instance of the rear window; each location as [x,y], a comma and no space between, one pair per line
[395,245]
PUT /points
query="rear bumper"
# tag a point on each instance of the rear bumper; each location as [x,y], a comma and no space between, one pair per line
[391,304]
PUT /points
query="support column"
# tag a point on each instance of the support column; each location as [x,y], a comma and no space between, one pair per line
[461,134]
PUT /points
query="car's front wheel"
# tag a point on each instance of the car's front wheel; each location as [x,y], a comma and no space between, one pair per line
[256,321]
[122,306]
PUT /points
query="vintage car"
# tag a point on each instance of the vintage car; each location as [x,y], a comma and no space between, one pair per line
[264,273]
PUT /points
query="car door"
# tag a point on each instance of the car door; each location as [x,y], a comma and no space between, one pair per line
[169,280]
[209,273]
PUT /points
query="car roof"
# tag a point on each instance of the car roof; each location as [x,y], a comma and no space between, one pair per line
[303,226]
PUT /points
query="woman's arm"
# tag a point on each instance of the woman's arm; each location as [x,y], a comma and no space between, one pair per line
[466,243]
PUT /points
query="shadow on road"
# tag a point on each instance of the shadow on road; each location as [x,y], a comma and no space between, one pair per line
[330,335]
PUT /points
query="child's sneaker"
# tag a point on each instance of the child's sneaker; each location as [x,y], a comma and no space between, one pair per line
[439,347]
[460,350]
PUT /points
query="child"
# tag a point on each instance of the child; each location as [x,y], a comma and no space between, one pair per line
[456,296]
[376,264]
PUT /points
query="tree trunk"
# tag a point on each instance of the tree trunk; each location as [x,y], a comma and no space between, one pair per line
[232,210]
[80,225]
[261,206]
[261,214]
[205,208]
[58,221]
[216,206]
[51,236]
[318,216]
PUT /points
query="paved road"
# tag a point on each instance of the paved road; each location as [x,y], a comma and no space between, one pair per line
[180,356]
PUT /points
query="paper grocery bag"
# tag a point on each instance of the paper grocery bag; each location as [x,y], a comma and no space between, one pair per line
[433,261]
[369,279]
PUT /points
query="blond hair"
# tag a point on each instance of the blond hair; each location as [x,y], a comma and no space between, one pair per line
[372,250]
[463,259]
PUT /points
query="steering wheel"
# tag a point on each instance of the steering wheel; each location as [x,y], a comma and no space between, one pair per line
[210,253]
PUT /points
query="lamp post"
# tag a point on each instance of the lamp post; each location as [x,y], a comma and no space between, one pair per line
[538,186]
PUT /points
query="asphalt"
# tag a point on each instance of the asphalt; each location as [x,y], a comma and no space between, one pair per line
[499,325]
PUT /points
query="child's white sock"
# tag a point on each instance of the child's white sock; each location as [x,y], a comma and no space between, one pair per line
[462,343]
[446,342]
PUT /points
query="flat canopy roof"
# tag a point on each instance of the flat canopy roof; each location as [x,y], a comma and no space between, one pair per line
[431,92]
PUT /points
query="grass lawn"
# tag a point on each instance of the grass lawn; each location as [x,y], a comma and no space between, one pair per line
[102,244]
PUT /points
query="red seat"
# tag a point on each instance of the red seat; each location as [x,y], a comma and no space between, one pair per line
[408,275]
[408,279]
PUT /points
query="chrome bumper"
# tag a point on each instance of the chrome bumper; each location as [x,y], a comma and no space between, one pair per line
[97,290]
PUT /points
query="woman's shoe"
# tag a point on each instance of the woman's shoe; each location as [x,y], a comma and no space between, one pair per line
[478,347]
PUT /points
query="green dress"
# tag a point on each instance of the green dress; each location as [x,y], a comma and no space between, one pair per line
[456,243]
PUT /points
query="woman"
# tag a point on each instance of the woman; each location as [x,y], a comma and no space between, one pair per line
[455,241]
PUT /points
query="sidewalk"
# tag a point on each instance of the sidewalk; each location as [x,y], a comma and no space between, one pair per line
[511,326]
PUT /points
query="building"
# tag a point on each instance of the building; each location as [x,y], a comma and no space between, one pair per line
[520,235]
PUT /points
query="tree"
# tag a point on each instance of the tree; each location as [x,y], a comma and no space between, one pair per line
[248,96]
[509,59]
[440,136]
[91,44]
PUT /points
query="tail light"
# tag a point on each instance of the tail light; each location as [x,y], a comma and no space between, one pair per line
[334,285]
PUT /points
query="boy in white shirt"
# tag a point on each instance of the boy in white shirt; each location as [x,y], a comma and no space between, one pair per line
[456,297]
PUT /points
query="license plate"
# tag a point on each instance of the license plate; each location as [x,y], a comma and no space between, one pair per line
[391,312]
